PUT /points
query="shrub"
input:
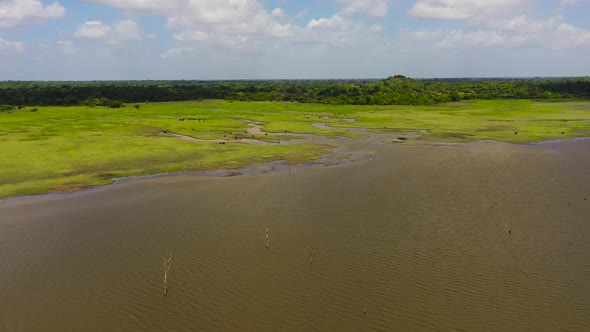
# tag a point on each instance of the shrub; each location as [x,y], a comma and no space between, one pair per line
[5,108]
[116,104]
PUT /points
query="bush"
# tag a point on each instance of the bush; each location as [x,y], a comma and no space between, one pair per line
[116,104]
[5,108]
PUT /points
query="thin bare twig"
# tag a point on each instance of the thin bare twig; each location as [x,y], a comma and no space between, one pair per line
[167,263]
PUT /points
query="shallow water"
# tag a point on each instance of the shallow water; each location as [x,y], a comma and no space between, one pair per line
[417,235]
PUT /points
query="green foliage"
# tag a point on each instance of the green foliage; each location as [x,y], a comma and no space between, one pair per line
[106,102]
[395,90]
[90,102]
[116,104]
[6,108]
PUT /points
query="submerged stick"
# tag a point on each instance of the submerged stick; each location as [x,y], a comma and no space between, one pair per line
[167,263]
[312,253]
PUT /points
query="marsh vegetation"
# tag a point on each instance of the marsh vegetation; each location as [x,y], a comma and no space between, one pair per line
[69,148]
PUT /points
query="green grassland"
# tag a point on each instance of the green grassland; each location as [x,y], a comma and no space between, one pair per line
[69,148]
[510,121]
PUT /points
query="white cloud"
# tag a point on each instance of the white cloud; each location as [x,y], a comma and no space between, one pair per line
[452,39]
[466,9]
[117,32]
[92,30]
[127,30]
[333,23]
[7,46]
[61,46]
[278,12]
[317,35]
[519,33]
[141,5]
[374,8]
[191,35]
[176,52]
[14,13]
[523,24]
[246,27]
[520,47]
[227,17]
[214,17]
[333,32]
[573,36]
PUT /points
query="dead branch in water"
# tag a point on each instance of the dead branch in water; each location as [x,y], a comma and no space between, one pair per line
[167,263]
[312,252]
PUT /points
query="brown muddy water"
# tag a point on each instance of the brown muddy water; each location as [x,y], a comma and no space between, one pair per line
[483,237]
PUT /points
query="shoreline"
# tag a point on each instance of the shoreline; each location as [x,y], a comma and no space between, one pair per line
[332,159]
[304,136]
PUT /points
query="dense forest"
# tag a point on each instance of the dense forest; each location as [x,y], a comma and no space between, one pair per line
[395,90]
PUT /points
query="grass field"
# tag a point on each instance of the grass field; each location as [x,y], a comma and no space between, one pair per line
[69,148]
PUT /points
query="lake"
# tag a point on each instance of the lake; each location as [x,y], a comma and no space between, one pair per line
[472,237]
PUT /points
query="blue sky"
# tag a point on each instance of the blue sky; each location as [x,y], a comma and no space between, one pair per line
[270,39]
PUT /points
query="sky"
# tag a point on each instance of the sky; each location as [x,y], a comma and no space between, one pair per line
[292,39]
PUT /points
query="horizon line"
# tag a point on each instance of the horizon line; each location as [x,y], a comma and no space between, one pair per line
[299,79]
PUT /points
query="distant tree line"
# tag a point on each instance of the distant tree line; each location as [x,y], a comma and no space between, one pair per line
[395,90]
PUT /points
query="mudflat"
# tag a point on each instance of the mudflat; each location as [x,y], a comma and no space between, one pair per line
[476,237]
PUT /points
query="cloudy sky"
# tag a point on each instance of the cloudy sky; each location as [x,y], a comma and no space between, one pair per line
[258,39]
